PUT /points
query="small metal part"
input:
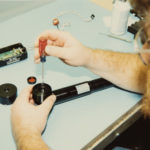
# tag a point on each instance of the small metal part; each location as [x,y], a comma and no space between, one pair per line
[92,16]
[8,93]
[42,72]
[40,92]
[31,80]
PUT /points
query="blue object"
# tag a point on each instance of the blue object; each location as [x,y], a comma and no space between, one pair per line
[43,59]
[120,148]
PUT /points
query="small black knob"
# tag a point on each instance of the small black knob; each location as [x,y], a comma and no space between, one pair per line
[92,16]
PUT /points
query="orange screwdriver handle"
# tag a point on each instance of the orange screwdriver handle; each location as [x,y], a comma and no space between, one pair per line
[42,45]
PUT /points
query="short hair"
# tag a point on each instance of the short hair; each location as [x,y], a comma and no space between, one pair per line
[141,6]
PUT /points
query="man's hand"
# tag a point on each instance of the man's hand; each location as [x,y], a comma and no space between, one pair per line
[28,119]
[64,46]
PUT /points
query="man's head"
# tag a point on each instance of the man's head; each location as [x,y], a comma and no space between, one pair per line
[142,7]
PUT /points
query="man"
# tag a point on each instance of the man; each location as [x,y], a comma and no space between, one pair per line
[123,69]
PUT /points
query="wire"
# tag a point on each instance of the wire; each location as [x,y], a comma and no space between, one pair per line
[74,13]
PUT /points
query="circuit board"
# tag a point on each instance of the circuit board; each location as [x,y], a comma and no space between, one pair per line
[12,54]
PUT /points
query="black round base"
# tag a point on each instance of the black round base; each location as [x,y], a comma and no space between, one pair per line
[8,93]
[40,92]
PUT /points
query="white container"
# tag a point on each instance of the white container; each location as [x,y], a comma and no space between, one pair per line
[119,18]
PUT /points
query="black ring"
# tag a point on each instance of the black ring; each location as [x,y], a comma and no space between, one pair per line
[8,93]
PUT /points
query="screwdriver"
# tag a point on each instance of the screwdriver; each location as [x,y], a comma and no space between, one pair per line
[42,45]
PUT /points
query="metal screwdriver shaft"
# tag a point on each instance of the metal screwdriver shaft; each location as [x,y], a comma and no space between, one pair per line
[42,72]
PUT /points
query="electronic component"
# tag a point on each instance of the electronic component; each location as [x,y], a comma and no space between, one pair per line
[133,28]
[40,92]
[56,23]
[31,80]
[11,54]
[70,92]
[62,26]
[92,16]
[8,93]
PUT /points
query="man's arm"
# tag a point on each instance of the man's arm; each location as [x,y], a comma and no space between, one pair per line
[30,140]
[126,70]
[123,69]
[28,121]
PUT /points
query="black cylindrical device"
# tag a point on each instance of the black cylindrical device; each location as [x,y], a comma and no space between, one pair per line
[43,90]
[40,92]
[8,93]
[81,89]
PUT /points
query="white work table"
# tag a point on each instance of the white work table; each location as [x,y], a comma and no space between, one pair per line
[71,125]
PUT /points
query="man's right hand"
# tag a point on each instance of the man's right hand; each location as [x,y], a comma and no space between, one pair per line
[62,45]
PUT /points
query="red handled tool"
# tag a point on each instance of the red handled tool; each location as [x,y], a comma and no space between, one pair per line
[42,45]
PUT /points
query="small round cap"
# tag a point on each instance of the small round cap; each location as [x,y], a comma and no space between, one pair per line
[31,80]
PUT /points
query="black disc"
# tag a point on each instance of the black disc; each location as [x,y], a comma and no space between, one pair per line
[8,93]
[40,92]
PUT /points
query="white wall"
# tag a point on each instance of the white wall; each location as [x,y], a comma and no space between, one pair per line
[11,8]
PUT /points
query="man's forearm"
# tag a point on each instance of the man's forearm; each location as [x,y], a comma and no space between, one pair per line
[30,141]
[123,69]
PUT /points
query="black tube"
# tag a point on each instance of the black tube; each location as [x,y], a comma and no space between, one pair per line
[99,84]
[81,89]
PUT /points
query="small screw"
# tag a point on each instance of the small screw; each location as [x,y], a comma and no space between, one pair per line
[92,16]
